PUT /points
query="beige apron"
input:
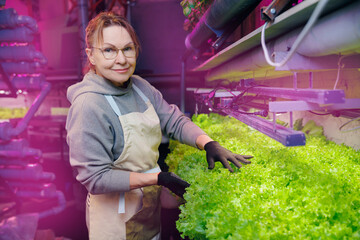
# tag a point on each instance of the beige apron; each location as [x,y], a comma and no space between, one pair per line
[134,214]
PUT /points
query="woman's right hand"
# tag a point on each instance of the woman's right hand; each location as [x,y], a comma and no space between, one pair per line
[173,182]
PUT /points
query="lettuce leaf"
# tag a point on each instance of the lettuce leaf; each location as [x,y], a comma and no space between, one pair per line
[305,192]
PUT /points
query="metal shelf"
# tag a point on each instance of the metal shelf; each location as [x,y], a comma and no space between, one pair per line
[284,23]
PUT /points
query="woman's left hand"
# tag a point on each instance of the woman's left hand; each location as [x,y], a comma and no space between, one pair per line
[216,153]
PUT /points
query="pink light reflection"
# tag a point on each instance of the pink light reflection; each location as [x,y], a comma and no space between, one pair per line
[13,44]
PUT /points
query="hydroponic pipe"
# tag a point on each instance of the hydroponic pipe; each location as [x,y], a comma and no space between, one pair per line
[14,144]
[221,15]
[335,33]
[31,172]
[55,210]
[200,34]
[42,191]
[20,34]
[33,185]
[248,62]
[21,53]
[223,12]
[182,85]
[31,82]
[20,67]
[10,87]
[13,162]
[21,153]
[82,22]
[45,194]
[6,129]
[45,89]
[27,172]
[10,19]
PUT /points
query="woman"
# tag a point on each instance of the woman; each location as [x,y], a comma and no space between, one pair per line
[115,126]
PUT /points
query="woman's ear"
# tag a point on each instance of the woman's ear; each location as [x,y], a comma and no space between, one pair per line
[90,56]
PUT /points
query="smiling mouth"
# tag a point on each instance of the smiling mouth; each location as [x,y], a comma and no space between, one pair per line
[121,70]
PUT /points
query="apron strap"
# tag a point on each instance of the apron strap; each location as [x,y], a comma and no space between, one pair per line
[115,107]
[122,194]
[154,170]
[142,95]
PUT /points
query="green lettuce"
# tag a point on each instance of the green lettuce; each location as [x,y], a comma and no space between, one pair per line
[306,192]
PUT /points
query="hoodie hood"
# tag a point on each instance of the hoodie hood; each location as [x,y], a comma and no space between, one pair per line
[95,84]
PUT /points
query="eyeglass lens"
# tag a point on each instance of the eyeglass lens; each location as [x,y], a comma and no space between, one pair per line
[111,52]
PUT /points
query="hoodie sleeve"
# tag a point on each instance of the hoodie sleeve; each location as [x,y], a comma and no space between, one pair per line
[173,122]
[90,138]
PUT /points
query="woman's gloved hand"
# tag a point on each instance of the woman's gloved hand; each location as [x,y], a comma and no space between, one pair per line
[215,152]
[173,182]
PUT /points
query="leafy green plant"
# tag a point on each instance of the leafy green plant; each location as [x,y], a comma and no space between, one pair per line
[306,192]
[193,11]
[311,128]
[8,113]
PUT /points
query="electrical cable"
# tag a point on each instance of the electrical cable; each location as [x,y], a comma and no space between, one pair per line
[351,129]
[313,18]
[338,71]
[211,96]
[243,93]
[209,101]
[320,114]
[9,196]
[235,100]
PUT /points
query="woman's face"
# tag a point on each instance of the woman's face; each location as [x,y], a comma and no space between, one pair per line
[119,69]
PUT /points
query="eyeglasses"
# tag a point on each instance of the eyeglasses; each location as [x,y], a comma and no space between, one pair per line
[111,52]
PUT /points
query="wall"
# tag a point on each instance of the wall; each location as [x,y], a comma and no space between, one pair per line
[349,81]
[159,25]
[18,5]
[59,35]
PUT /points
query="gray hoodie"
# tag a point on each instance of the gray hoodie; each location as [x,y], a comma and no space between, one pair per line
[94,132]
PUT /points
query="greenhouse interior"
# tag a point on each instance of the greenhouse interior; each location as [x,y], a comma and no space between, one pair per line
[241,120]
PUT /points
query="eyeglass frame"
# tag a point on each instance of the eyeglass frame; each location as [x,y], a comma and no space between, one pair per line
[117,51]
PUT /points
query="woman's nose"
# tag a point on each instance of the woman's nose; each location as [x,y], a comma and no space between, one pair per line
[120,58]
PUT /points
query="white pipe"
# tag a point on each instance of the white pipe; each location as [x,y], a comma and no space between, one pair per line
[7,131]
[299,39]
[336,33]
[248,62]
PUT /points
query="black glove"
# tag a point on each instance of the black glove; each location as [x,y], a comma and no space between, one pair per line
[215,152]
[173,182]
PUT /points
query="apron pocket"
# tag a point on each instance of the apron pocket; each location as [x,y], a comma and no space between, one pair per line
[145,224]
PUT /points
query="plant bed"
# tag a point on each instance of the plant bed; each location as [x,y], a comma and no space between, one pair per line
[306,192]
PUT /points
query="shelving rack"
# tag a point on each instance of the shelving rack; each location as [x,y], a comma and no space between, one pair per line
[24,183]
